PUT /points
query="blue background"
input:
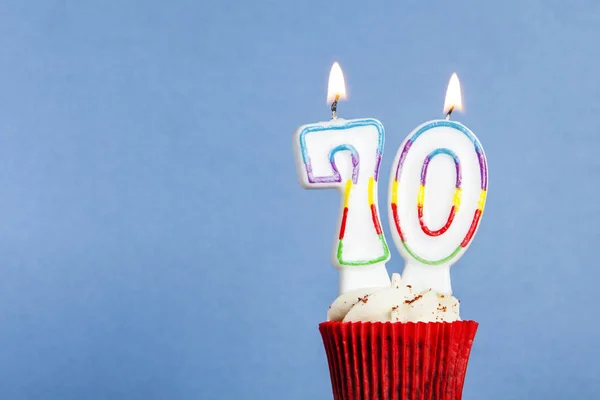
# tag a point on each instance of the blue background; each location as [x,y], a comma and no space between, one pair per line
[155,243]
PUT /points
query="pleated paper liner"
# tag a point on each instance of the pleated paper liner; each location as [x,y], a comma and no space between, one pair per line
[398,361]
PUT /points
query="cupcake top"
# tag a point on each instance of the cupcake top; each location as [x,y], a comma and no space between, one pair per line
[396,303]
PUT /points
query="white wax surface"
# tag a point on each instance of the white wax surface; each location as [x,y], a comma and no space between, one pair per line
[438,200]
[362,246]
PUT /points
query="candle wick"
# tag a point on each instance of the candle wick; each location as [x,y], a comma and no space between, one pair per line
[449,112]
[334,107]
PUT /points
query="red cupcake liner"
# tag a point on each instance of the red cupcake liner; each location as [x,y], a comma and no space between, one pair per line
[398,361]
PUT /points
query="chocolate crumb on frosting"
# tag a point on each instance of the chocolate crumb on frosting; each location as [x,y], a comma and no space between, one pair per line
[413,300]
[364,299]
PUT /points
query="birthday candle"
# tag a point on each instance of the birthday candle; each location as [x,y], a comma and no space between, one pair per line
[438,188]
[345,155]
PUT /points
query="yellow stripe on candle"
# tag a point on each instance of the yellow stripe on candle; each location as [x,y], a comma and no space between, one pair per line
[395,192]
[371,195]
[482,198]
[456,199]
[347,192]
[421,197]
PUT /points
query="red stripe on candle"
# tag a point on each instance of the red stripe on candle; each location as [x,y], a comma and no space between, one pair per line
[472,229]
[397,220]
[343,227]
[440,231]
[375,219]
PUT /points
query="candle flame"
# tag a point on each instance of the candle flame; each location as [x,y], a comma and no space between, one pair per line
[337,86]
[453,95]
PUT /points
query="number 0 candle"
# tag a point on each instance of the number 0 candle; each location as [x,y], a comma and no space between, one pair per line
[345,155]
[437,194]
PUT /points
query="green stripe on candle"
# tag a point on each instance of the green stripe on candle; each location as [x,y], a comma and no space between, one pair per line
[429,262]
[383,258]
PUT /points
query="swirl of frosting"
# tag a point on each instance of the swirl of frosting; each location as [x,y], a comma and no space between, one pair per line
[396,303]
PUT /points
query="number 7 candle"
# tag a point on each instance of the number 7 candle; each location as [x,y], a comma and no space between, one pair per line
[345,155]
[438,188]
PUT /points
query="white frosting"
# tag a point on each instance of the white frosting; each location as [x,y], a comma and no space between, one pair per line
[340,307]
[395,303]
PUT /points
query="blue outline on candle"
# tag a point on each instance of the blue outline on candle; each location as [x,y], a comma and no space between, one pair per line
[347,125]
[483,176]
[450,124]
[436,152]
[355,163]
[336,177]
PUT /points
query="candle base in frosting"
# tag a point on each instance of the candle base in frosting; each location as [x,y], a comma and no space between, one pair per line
[424,277]
[366,276]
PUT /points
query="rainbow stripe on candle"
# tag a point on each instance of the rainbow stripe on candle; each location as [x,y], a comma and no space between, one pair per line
[335,177]
[457,191]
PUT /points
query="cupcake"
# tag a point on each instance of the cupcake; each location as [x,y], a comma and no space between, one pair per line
[397,343]
[402,339]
